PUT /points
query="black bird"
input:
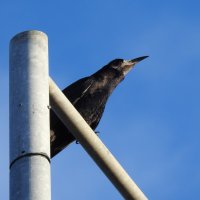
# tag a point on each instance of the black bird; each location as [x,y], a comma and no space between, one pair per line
[89,96]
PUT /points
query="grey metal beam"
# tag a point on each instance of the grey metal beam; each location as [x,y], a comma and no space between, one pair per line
[29,117]
[93,145]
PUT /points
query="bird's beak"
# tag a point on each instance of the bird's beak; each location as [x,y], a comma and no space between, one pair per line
[136,60]
[129,64]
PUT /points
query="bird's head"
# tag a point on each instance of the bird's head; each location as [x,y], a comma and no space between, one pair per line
[122,66]
[115,71]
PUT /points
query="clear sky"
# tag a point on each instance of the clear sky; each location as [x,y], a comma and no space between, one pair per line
[152,120]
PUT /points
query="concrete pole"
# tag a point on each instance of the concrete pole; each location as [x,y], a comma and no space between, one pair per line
[93,145]
[29,117]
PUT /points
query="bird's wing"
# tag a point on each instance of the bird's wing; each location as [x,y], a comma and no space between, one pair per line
[60,136]
[78,89]
[73,92]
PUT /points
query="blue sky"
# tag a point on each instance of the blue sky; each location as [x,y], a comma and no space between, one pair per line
[152,120]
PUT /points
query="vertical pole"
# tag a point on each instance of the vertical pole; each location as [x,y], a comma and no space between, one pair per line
[29,117]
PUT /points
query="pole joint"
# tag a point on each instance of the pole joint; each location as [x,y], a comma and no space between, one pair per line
[29,155]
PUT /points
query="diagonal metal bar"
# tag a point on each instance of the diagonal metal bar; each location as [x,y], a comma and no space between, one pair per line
[93,145]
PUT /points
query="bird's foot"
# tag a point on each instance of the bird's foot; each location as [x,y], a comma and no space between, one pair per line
[96,132]
[77,142]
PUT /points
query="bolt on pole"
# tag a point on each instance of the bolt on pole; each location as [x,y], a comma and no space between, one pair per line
[93,145]
[29,117]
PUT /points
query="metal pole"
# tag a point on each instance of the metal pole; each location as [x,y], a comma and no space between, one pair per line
[93,145]
[29,117]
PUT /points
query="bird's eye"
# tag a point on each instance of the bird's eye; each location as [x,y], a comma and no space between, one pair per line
[116,63]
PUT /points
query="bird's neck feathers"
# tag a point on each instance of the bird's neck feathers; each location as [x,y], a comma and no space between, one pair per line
[108,78]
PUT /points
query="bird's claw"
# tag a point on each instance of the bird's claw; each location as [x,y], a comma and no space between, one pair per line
[96,132]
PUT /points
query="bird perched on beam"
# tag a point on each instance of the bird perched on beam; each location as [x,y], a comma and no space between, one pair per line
[89,96]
